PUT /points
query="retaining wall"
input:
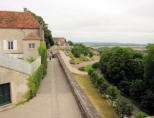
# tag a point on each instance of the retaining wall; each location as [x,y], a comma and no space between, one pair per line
[87,109]
[18,64]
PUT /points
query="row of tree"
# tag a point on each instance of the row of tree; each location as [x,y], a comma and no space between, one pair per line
[47,33]
[121,105]
[132,72]
[79,49]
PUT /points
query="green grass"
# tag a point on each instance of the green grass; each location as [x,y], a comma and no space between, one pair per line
[102,104]
[86,68]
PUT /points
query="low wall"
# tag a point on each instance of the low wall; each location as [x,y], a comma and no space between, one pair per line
[18,64]
[87,109]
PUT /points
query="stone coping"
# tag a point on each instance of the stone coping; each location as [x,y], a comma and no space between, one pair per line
[7,107]
[85,105]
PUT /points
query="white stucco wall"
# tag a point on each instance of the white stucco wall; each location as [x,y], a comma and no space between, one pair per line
[31,52]
[18,83]
[18,64]
[15,34]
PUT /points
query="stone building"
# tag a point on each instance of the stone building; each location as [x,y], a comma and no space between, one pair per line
[20,34]
[61,41]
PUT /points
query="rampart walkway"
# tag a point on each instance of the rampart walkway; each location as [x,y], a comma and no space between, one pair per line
[54,100]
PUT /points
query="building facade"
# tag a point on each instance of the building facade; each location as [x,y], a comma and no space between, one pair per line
[20,37]
[20,34]
[60,41]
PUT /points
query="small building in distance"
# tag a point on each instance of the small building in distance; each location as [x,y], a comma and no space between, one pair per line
[94,51]
[60,41]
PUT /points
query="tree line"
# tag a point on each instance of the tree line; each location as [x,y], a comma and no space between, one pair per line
[132,73]
[80,49]
[47,32]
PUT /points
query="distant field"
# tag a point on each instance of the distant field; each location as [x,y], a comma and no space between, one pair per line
[139,48]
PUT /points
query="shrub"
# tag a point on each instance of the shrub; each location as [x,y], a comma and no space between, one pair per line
[83,58]
[91,54]
[137,89]
[113,92]
[34,83]
[95,65]
[35,79]
[79,49]
[94,77]
[124,108]
[82,68]
[31,59]
[141,115]
[90,71]
[43,53]
[103,87]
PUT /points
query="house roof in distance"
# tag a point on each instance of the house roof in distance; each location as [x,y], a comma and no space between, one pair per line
[59,38]
[32,36]
[10,19]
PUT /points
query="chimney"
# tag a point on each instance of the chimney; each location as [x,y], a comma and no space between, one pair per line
[25,9]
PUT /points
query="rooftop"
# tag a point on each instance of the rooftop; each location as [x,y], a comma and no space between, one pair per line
[10,19]
[32,36]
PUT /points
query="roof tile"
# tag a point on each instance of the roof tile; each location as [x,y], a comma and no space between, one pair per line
[32,36]
[10,19]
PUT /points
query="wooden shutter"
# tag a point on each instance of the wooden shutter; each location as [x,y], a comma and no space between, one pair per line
[5,45]
[15,45]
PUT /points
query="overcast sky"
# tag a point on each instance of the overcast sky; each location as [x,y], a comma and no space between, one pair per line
[93,20]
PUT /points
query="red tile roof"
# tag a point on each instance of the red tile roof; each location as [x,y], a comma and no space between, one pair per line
[59,39]
[32,36]
[10,19]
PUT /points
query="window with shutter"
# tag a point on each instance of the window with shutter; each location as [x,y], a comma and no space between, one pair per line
[15,47]
[31,45]
[10,45]
[5,45]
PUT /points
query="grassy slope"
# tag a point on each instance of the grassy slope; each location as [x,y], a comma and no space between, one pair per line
[102,105]
[87,68]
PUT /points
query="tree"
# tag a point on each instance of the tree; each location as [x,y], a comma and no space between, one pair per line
[91,54]
[94,77]
[124,108]
[76,52]
[79,49]
[149,66]
[113,92]
[118,64]
[95,65]
[90,71]
[47,33]
[141,115]
[70,43]
[103,86]
[137,90]
[124,87]
[148,101]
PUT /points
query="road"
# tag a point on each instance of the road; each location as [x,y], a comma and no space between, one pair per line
[54,99]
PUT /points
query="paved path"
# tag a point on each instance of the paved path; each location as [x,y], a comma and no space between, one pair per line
[54,99]
[84,64]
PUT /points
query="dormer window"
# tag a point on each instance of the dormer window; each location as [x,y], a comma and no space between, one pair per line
[31,45]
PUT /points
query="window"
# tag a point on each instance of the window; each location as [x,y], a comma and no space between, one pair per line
[10,45]
[31,45]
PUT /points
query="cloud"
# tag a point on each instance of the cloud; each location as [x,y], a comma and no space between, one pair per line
[94,20]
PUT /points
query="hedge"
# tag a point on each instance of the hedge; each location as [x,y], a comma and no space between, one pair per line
[36,78]
[106,88]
